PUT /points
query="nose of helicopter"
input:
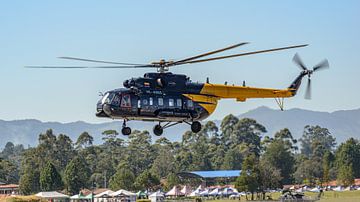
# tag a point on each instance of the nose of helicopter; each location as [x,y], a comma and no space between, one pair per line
[102,110]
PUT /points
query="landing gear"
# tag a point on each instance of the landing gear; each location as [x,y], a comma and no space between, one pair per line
[195,126]
[158,130]
[125,130]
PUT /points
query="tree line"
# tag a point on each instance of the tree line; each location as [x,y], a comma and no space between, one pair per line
[138,163]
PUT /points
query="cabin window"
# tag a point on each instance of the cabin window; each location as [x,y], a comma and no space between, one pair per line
[190,103]
[125,101]
[171,102]
[151,101]
[179,102]
[116,100]
[145,101]
[160,101]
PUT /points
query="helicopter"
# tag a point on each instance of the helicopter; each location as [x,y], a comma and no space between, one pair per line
[170,99]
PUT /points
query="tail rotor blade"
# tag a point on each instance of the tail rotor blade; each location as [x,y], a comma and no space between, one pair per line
[297,60]
[308,90]
[322,65]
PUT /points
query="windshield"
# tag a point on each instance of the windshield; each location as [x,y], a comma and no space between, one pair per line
[107,98]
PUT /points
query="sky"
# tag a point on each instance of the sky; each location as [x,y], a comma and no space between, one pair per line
[37,32]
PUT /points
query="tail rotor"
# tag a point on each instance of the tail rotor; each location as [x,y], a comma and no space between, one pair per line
[305,71]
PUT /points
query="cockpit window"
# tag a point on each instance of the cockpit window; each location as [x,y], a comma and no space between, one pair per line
[116,100]
[126,101]
[104,98]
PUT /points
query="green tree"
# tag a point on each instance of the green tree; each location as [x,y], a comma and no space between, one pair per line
[50,179]
[76,175]
[315,137]
[346,175]
[123,178]
[147,181]
[347,154]
[269,177]
[171,180]
[278,154]
[84,140]
[8,171]
[249,178]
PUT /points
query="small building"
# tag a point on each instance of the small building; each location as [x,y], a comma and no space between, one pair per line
[9,189]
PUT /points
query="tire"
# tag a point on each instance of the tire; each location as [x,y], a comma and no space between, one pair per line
[158,130]
[126,131]
[196,127]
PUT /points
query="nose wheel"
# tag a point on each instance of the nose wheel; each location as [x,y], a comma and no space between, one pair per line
[125,130]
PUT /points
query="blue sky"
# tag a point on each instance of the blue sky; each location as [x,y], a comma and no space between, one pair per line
[36,32]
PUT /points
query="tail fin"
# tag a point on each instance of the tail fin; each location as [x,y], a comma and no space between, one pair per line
[295,85]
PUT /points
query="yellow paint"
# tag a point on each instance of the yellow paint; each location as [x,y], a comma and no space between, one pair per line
[209,103]
[241,93]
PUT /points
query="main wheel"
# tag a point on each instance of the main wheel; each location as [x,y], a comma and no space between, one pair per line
[196,127]
[126,131]
[158,130]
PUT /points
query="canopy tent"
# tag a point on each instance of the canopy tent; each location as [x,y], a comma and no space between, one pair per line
[186,190]
[141,194]
[156,197]
[315,190]
[53,196]
[299,190]
[81,197]
[124,195]
[228,191]
[204,193]
[214,192]
[174,192]
[103,196]
[339,188]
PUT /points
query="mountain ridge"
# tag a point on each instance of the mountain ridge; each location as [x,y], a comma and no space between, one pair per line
[343,124]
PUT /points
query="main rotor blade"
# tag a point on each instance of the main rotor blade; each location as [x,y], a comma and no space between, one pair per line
[84,67]
[98,61]
[297,60]
[308,90]
[243,54]
[322,65]
[209,53]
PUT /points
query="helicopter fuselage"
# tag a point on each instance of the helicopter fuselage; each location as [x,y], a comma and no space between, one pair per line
[163,97]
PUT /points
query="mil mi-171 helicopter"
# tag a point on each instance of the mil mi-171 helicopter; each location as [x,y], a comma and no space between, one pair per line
[170,99]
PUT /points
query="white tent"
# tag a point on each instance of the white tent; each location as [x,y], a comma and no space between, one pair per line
[157,197]
[174,192]
[186,190]
[204,193]
[53,195]
[315,189]
[228,191]
[103,196]
[299,190]
[339,188]
[358,188]
[123,194]
[214,192]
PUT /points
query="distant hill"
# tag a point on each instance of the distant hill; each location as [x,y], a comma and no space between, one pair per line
[342,124]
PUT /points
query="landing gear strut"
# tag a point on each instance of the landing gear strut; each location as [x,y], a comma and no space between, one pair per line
[158,129]
[125,130]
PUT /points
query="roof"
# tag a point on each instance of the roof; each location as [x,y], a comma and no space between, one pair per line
[9,186]
[123,192]
[51,194]
[212,174]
